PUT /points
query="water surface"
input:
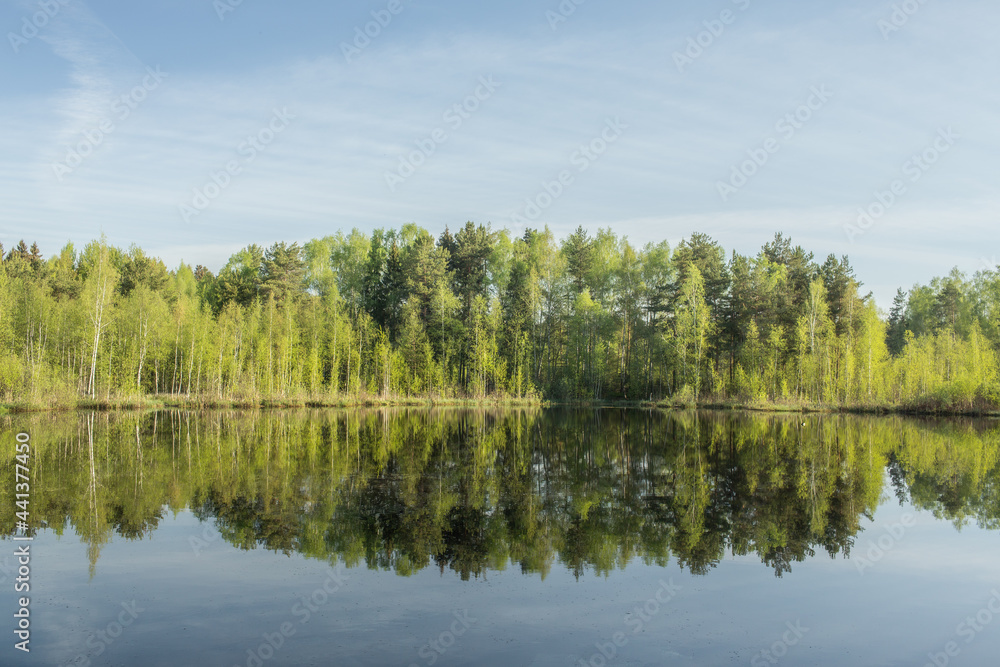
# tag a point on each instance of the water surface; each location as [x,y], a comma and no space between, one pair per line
[561,537]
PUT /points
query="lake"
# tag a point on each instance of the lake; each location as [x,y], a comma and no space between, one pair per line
[511,537]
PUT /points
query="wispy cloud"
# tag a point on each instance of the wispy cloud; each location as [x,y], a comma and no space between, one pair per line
[354,120]
[100,66]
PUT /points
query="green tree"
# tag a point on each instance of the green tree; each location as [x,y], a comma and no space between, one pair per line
[282,273]
[898,324]
[98,295]
[693,328]
[136,268]
[239,281]
[579,251]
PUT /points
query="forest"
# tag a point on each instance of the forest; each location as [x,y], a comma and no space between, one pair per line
[397,315]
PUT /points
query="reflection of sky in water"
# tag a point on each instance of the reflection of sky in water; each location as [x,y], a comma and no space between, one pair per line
[211,608]
[591,484]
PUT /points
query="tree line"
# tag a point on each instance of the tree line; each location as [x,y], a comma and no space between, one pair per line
[480,313]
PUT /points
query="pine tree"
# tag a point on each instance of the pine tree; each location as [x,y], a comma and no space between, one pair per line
[579,251]
[282,273]
[895,336]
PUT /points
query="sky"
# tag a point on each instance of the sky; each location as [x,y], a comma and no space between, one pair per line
[196,127]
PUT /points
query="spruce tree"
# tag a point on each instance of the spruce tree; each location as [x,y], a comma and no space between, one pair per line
[895,338]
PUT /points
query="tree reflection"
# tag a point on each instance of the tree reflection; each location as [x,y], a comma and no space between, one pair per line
[478,491]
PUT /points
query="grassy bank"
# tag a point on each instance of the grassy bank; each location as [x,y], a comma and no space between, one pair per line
[265,402]
[160,402]
[803,407]
[790,407]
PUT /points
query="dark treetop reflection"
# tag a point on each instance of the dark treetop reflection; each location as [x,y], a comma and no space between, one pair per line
[474,491]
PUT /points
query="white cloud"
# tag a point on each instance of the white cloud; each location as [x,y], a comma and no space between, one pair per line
[326,171]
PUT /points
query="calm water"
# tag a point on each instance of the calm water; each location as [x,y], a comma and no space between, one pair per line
[415,537]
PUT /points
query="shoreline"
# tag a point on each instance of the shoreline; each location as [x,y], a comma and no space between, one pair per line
[288,403]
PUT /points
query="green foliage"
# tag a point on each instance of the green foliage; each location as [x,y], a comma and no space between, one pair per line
[239,280]
[283,272]
[398,313]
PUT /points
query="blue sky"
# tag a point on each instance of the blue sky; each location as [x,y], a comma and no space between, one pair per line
[259,127]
